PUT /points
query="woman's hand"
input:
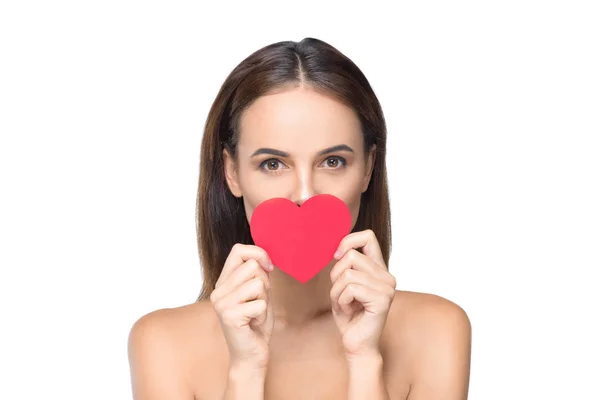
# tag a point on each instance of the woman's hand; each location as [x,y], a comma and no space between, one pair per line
[241,300]
[362,293]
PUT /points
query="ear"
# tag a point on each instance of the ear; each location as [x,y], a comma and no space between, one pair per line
[369,170]
[231,174]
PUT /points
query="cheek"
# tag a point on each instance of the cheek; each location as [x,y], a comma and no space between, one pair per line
[350,193]
[354,206]
[251,201]
[254,191]
[352,200]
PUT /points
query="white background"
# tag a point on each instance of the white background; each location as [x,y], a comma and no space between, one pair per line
[494,159]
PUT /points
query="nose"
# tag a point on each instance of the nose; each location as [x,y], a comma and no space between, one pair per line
[303,189]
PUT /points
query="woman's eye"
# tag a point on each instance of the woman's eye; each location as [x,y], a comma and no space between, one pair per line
[270,165]
[273,164]
[335,162]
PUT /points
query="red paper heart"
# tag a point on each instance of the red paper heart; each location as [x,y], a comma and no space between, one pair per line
[301,241]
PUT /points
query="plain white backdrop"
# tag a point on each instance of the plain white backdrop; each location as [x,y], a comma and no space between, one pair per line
[493,113]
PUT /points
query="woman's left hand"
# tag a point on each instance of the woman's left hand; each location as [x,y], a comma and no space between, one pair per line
[362,293]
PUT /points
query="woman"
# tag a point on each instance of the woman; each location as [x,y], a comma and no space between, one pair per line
[295,120]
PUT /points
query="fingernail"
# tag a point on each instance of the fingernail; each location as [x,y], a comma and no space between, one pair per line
[337,254]
[271,266]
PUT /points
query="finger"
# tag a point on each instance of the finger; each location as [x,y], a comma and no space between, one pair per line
[355,260]
[351,276]
[261,317]
[266,316]
[241,253]
[248,291]
[370,299]
[244,313]
[364,240]
[258,291]
[245,272]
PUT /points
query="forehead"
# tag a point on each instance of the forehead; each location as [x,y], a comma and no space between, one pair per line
[298,119]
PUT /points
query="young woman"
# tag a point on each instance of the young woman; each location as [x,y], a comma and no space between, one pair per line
[295,120]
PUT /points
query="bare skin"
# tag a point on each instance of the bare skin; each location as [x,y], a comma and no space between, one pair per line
[285,150]
[185,349]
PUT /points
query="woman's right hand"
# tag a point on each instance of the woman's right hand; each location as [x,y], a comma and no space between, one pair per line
[241,300]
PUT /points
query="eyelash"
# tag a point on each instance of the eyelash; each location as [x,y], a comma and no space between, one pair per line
[263,164]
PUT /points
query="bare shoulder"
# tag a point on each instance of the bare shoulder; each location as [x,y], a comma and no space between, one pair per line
[171,326]
[433,335]
[178,320]
[428,312]
[164,347]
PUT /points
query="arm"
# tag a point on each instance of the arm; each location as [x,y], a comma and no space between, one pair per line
[443,362]
[156,373]
[365,379]
[158,370]
[245,382]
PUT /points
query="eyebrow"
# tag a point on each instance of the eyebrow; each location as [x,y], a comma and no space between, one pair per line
[279,153]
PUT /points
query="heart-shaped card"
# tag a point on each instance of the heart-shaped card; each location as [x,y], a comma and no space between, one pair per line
[301,240]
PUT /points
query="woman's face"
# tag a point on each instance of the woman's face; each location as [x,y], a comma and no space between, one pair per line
[296,144]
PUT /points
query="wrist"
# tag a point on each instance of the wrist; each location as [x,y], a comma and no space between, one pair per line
[365,374]
[245,381]
[369,357]
[361,363]
[247,368]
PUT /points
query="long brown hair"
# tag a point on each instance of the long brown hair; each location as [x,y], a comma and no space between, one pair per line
[220,216]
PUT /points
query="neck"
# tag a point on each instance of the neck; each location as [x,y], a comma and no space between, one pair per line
[295,303]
